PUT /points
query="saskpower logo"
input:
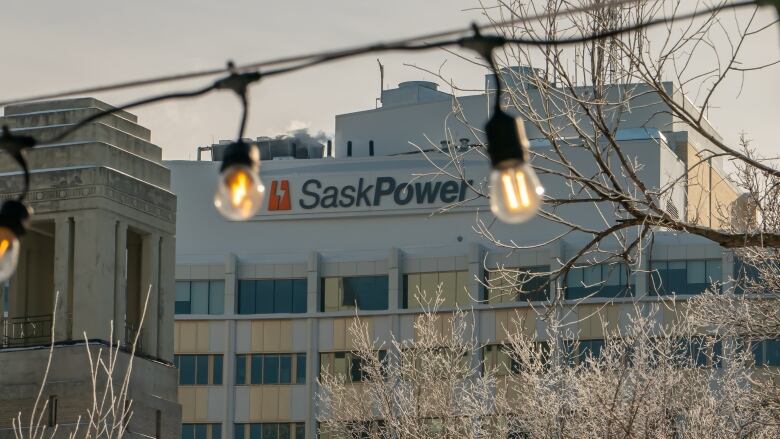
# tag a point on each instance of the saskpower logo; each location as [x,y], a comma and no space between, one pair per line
[280,195]
[381,192]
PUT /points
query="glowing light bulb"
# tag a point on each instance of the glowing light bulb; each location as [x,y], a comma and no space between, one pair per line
[9,253]
[240,192]
[515,192]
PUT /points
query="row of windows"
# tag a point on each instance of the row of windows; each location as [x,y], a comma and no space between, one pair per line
[270,431]
[200,297]
[258,369]
[270,369]
[347,364]
[201,369]
[271,296]
[347,293]
[267,296]
[201,431]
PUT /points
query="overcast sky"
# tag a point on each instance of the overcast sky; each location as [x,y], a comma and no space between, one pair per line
[56,45]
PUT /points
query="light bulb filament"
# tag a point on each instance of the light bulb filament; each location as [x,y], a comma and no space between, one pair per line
[525,200]
[238,188]
[4,244]
[509,190]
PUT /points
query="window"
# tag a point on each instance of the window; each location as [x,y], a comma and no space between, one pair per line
[344,293]
[684,277]
[276,430]
[271,296]
[497,357]
[518,284]
[766,352]
[201,431]
[600,280]
[200,297]
[747,276]
[697,352]
[453,287]
[577,352]
[347,364]
[200,370]
[270,369]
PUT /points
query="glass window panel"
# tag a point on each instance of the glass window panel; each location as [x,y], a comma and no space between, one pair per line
[255,431]
[772,352]
[449,284]
[283,295]
[270,431]
[658,277]
[376,296]
[216,374]
[285,369]
[339,363]
[678,279]
[182,308]
[200,297]
[300,369]
[284,431]
[714,270]
[264,296]
[461,288]
[182,291]
[574,286]
[299,296]
[428,283]
[257,369]
[300,430]
[271,369]
[413,283]
[200,431]
[216,431]
[350,291]
[217,297]
[326,363]
[611,274]
[240,369]
[330,294]
[696,272]
[187,431]
[238,431]
[246,297]
[355,369]
[202,369]
[186,369]
[536,287]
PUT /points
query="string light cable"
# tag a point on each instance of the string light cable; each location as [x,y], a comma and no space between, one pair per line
[240,191]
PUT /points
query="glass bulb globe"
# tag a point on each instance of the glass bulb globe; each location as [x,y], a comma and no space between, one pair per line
[515,192]
[9,253]
[239,192]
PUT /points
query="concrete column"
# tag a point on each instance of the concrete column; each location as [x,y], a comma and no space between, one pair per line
[150,254]
[395,280]
[93,275]
[231,284]
[395,274]
[727,266]
[476,273]
[229,366]
[313,349]
[476,270]
[120,281]
[166,296]
[63,280]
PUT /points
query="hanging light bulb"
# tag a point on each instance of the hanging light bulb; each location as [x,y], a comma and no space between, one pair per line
[240,192]
[13,220]
[515,191]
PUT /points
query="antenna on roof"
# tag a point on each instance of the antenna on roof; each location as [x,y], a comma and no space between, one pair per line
[381,82]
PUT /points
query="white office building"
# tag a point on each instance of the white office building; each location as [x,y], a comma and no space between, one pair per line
[261,304]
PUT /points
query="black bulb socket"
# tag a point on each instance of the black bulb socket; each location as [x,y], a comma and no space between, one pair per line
[241,153]
[506,139]
[15,215]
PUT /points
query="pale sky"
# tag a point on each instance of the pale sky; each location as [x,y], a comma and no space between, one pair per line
[57,45]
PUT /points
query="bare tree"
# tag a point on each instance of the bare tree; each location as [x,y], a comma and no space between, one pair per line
[644,380]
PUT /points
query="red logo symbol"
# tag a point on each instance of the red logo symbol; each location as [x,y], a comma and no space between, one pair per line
[279,201]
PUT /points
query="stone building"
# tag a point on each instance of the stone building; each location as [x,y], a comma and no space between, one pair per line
[102,237]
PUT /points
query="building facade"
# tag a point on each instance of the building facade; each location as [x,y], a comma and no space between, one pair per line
[101,240]
[262,305]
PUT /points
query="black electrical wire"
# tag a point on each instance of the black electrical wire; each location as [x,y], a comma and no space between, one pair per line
[312,59]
